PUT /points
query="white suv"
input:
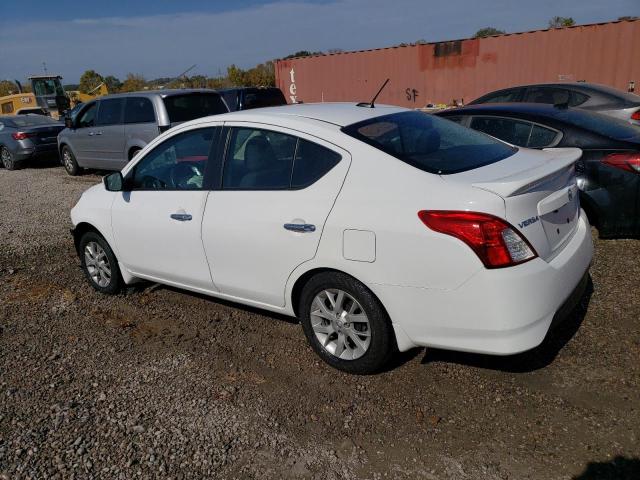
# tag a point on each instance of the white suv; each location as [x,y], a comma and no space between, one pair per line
[379,228]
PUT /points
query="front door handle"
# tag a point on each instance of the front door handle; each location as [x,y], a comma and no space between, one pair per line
[98,133]
[91,134]
[181,217]
[300,227]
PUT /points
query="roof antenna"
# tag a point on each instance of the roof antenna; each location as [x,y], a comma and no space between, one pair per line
[371,104]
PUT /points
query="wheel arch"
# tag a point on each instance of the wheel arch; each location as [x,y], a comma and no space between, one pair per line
[82,228]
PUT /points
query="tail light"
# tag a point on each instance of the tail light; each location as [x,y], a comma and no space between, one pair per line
[495,242]
[22,135]
[625,161]
[636,115]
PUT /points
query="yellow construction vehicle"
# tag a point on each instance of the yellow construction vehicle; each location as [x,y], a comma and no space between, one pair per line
[77,97]
[47,97]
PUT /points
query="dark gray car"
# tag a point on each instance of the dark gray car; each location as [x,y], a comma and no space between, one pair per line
[587,96]
[106,133]
[27,137]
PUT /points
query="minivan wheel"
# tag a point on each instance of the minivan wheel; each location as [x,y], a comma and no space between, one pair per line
[8,161]
[345,323]
[99,264]
[69,161]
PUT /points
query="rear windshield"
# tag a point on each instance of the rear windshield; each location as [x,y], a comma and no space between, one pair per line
[268,97]
[613,128]
[430,143]
[182,108]
[31,120]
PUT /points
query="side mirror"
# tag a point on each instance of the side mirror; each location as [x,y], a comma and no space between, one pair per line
[114,182]
[68,121]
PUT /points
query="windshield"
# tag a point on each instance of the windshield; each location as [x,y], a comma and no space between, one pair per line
[430,143]
[182,108]
[602,124]
[47,86]
[263,97]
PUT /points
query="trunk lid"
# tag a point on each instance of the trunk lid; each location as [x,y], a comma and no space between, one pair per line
[43,135]
[539,191]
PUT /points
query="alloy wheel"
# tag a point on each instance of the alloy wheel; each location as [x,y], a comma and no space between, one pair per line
[5,156]
[68,161]
[340,324]
[97,264]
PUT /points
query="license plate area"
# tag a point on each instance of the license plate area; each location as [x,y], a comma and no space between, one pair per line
[561,222]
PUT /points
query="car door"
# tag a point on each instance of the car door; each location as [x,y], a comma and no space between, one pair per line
[267,215]
[108,138]
[82,136]
[140,124]
[157,220]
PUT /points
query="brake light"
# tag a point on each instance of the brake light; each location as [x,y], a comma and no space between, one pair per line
[629,162]
[496,243]
[22,135]
[636,115]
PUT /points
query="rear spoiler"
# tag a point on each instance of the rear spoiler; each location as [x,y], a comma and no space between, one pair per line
[559,159]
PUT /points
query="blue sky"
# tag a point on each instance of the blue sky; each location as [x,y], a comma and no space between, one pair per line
[164,37]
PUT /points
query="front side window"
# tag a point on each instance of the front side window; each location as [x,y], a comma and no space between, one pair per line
[258,160]
[88,116]
[429,143]
[178,163]
[182,108]
[513,131]
[503,96]
[110,112]
[548,95]
[139,110]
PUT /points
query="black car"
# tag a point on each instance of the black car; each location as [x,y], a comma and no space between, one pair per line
[608,171]
[245,98]
[588,96]
[26,137]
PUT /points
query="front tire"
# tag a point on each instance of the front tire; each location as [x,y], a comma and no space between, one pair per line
[345,323]
[8,160]
[69,162]
[99,264]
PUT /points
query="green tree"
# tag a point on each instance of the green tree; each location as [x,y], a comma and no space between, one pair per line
[303,53]
[7,87]
[133,83]
[487,32]
[90,80]
[236,76]
[559,22]
[113,84]
[627,17]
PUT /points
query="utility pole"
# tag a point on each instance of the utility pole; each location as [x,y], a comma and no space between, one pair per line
[44,67]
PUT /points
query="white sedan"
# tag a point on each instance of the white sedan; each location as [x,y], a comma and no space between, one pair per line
[379,228]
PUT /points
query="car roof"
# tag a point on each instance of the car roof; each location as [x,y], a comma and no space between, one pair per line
[543,109]
[579,86]
[169,92]
[340,114]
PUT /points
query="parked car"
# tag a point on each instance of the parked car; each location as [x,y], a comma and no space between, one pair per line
[27,137]
[108,132]
[246,98]
[608,171]
[588,96]
[380,228]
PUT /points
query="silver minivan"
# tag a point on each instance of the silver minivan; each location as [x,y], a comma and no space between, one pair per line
[106,133]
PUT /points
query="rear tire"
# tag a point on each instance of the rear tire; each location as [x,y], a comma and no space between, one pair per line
[99,264]
[346,324]
[8,160]
[133,152]
[69,162]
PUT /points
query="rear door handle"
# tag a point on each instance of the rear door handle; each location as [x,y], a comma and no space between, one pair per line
[98,133]
[181,217]
[91,134]
[300,227]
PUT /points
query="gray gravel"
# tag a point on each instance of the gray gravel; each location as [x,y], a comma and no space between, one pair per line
[158,383]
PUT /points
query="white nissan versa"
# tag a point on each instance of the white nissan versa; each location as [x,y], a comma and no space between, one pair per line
[378,227]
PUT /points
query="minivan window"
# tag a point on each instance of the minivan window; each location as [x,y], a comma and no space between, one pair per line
[88,116]
[182,108]
[139,110]
[263,97]
[430,143]
[110,112]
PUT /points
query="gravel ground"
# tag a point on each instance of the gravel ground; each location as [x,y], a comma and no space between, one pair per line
[158,383]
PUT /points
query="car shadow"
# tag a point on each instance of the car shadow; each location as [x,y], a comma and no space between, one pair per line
[529,361]
[620,468]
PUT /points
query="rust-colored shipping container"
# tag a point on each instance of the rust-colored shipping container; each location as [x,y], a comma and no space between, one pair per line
[607,53]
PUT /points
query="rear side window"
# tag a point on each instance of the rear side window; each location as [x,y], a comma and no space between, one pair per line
[510,130]
[548,95]
[139,110]
[541,137]
[577,98]
[311,163]
[110,112]
[182,108]
[430,143]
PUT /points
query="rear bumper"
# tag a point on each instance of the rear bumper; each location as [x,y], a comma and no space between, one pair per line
[38,151]
[501,312]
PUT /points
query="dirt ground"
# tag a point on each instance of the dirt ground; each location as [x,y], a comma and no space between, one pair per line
[159,383]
